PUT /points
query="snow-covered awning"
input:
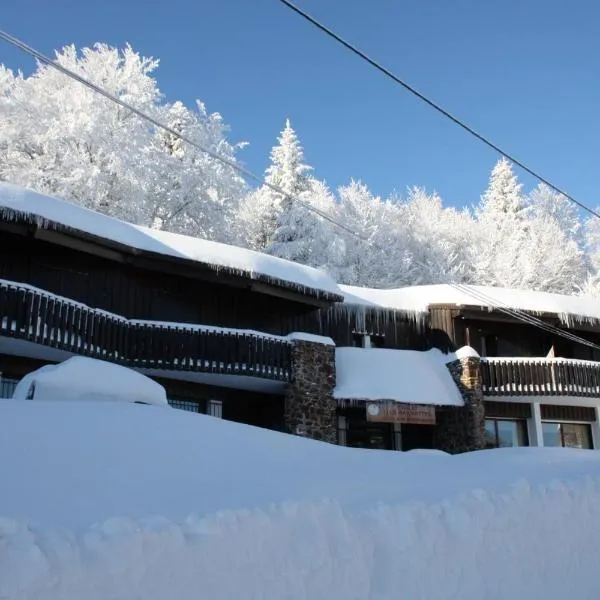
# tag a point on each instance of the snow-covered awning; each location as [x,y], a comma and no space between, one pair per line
[418,299]
[48,212]
[407,376]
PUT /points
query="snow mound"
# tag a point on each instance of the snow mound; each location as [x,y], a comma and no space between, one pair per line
[407,376]
[81,379]
[466,352]
[47,209]
[418,299]
[109,501]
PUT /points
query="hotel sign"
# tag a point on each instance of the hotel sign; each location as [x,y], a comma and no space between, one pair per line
[415,414]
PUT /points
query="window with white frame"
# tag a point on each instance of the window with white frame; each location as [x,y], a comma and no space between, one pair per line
[215,409]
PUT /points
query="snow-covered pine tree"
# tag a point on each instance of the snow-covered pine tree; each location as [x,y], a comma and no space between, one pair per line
[501,228]
[273,222]
[504,194]
[526,241]
[296,227]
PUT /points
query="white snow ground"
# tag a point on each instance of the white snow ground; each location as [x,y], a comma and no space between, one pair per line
[121,501]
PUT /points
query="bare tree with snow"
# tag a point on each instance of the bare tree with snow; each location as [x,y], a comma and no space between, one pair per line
[59,137]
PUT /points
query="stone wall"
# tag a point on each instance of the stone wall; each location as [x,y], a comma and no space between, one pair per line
[462,428]
[310,409]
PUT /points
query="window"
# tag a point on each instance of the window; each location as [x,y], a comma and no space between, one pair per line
[7,387]
[367,340]
[215,409]
[505,433]
[358,340]
[342,430]
[377,340]
[567,435]
[189,405]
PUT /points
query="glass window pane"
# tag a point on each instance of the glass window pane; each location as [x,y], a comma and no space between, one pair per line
[490,434]
[508,434]
[577,436]
[505,433]
[552,437]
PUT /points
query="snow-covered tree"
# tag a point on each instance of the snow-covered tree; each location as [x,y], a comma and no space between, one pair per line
[378,255]
[501,228]
[270,220]
[61,138]
[525,242]
[544,202]
[504,194]
[440,238]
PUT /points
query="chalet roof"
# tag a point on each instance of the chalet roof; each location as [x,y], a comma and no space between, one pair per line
[570,310]
[47,212]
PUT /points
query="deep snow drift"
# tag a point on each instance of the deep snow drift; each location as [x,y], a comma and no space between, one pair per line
[83,379]
[130,501]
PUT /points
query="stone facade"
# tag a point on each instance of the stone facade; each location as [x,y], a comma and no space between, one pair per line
[462,428]
[310,409]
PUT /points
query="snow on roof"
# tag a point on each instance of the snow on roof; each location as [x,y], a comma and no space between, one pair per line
[82,379]
[418,299]
[407,376]
[48,210]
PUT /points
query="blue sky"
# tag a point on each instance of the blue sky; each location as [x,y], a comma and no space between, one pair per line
[524,73]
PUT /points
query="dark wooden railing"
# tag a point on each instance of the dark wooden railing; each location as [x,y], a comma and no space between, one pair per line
[36,316]
[540,377]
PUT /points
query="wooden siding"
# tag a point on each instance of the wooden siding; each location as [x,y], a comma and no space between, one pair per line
[496,335]
[551,412]
[507,410]
[390,329]
[140,293]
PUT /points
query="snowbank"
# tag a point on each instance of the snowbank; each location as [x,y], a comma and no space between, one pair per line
[47,209]
[82,379]
[418,299]
[405,376]
[109,501]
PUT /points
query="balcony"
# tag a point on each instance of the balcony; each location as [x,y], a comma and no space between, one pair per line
[540,377]
[35,316]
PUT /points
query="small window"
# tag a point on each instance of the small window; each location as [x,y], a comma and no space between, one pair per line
[568,435]
[505,433]
[215,409]
[377,341]
[357,340]
[189,405]
[7,387]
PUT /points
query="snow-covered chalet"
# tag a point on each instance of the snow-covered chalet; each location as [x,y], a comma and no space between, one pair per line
[259,340]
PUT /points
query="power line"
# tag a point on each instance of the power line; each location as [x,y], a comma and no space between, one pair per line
[44,59]
[355,50]
[521,315]
[230,163]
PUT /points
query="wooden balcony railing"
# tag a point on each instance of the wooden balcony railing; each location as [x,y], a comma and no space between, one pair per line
[33,315]
[540,377]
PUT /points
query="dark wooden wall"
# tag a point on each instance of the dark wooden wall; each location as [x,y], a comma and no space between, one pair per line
[500,336]
[139,293]
[341,322]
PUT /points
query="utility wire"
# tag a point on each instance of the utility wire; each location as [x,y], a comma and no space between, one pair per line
[69,73]
[230,163]
[355,50]
[487,300]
